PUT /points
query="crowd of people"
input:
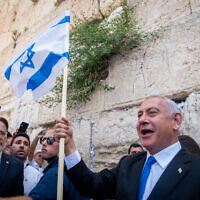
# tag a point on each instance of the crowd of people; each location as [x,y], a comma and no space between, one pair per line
[165,165]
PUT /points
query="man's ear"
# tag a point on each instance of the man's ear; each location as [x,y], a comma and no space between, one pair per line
[177,121]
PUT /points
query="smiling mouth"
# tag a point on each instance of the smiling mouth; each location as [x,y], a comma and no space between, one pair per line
[146,132]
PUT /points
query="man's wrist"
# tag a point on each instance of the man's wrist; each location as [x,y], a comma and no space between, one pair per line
[72,159]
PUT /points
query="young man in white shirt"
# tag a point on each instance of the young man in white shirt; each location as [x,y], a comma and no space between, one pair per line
[19,147]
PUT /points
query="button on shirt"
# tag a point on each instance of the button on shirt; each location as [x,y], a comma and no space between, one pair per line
[163,158]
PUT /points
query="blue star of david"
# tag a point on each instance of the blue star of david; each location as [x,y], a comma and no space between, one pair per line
[28,63]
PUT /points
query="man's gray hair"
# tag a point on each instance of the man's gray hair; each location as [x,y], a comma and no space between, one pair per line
[171,105]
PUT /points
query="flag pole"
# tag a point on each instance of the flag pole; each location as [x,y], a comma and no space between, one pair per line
[62,140]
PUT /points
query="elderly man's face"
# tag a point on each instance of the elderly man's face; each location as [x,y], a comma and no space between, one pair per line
[2,140]
[156,129]
[3,127]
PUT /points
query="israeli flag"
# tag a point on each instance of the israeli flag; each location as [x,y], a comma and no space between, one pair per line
[38,64]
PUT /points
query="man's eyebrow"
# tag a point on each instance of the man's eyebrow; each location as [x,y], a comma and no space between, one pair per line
[153,108]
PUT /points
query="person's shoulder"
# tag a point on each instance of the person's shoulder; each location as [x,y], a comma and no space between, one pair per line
[13,160]
[51,169]
[133,157]
[30,169]
[188,158]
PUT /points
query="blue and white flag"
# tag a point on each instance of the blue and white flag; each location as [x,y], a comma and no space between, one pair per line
[38,64]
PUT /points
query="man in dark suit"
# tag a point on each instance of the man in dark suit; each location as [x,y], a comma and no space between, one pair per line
[165,171]
[11,169]
[11,176]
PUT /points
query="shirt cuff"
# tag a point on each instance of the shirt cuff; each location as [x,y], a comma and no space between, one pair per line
[72,160]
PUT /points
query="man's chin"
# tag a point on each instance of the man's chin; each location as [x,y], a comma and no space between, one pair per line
[21,157]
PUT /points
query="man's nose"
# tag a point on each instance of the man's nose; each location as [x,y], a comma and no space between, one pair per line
[143,120]
[44,143]
[21,145]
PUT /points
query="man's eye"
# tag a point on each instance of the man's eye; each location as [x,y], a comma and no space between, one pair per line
[25,144]
[152,112]
[139,115]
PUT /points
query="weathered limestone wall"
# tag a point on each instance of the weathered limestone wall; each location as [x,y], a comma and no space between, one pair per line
[168,66]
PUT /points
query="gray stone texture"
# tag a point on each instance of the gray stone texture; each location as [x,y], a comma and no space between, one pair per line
[167,66]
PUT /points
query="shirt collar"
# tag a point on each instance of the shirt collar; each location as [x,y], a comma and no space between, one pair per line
[26,163]
[164,157]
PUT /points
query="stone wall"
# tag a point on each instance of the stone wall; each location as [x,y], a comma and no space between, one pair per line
[168,66]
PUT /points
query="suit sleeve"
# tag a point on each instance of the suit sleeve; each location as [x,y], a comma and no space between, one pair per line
[19,189]
[95,185]
[46,188]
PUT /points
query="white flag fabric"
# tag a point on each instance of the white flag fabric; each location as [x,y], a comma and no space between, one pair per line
[37,65]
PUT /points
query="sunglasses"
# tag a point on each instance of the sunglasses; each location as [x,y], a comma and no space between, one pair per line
[50,140]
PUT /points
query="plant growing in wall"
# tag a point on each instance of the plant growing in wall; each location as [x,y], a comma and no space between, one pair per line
[58,2]
[34,1]
[15,36]
[92,43]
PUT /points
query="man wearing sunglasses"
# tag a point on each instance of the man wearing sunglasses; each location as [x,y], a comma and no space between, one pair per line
[47,186]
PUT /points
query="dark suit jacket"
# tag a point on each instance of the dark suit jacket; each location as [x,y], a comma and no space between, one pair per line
[11,176]
[180,180]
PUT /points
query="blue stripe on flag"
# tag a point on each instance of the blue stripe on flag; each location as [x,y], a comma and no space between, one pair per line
[66,19]
[45,70]
[66,54]
[8,71]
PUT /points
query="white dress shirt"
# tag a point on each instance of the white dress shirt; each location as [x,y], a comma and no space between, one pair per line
[34,164]
[163,158]
[72,159]
[31,178]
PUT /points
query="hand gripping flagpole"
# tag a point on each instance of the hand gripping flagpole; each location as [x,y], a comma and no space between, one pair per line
[62,140]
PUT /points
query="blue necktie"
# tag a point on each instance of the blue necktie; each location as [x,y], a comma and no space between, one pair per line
[144,176]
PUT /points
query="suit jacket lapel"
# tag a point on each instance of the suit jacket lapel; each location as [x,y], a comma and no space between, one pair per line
[135,173]
[5,162]
[173,174]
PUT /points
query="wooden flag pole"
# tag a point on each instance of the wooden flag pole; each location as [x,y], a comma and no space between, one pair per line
[62,140]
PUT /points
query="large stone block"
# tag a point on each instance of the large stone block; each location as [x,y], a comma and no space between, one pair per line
[113,132]
[167,66]
[191,116]
[107,6]
[153,13]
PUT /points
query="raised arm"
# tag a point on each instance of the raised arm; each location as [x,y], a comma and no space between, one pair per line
[33,145]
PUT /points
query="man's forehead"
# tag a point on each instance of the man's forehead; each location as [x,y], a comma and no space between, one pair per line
[21,138]
[154,102]
[50,133]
